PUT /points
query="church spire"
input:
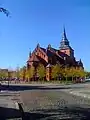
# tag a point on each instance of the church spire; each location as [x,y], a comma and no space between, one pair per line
[64,45]
[64,42]
[38,45]
[64,37]
[30,54]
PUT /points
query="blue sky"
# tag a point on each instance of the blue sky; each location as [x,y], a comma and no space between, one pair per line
[41,21]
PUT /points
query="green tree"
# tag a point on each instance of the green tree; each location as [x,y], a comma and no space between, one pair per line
[78,73]
[72,72]
[57,71]
[41,72]
[22,72]
[17,72]
[81,73]
[66,72]
[3,74]
[13,74]
[87,74]
[29,73]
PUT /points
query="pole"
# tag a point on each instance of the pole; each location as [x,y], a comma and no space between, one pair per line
[8,82]
[8,78]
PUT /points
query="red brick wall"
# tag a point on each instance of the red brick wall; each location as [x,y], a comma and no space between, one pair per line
[40,53]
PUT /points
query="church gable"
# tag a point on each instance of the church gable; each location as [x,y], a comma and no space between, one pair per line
[38,55]
[41,53]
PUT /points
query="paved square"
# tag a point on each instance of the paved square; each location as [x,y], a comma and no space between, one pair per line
[54,104]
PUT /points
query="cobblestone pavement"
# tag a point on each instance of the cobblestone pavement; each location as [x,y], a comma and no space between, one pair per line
[55,105]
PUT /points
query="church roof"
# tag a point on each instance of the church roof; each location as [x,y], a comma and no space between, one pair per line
[52,51]
[43,49]
[33,59]
[79,62]
[64,47]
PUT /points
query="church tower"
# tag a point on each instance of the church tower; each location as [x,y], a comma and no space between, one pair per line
[65,47]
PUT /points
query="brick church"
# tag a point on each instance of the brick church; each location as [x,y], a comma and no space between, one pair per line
[50,56]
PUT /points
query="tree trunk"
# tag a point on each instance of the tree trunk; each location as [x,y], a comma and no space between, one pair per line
[66,78]
[28,80]
[72,78]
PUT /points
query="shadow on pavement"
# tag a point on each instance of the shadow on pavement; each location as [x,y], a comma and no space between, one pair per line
[73,113]
[9,113]
[23,87]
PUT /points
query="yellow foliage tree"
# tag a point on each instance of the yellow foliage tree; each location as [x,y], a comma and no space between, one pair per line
[29,73]
[22,73]
[57,71]
[41,72]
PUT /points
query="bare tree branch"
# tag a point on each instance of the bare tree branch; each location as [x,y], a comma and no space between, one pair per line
[6,12]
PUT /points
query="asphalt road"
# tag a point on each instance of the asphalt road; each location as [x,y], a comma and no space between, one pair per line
[8,106]
[54,105]
[52,102]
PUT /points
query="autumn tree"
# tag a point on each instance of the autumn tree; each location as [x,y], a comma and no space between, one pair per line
[57,71]
[72,72]
[79,72]
[87,74]
[3,74]
[22,72]
[82,73]
[29,73]
[41,72]
[66,72]
[17,72]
